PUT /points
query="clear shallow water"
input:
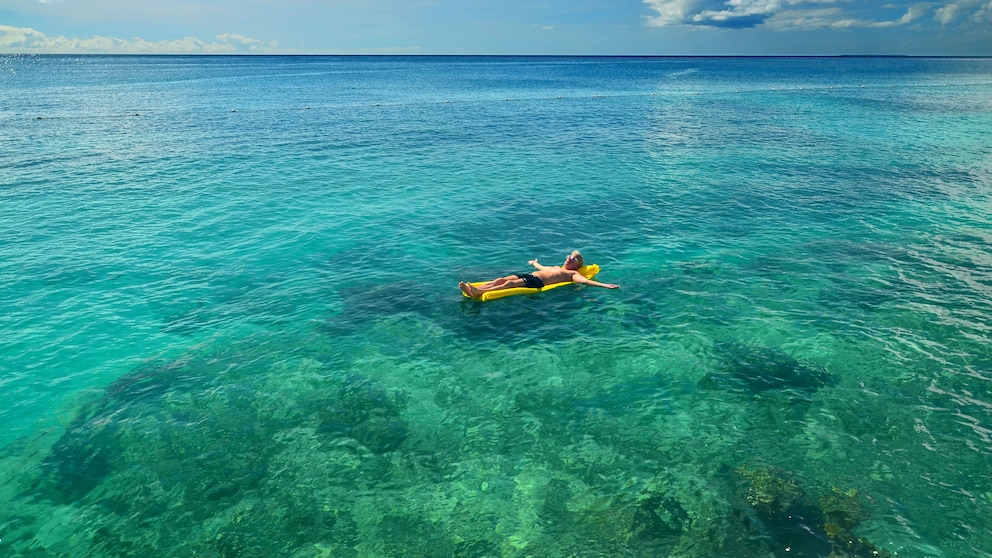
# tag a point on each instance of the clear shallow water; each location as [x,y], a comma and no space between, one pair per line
[230,321]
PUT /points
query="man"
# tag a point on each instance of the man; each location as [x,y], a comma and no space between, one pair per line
[545,275]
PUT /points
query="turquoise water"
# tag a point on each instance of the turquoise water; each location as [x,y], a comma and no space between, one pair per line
[230,322]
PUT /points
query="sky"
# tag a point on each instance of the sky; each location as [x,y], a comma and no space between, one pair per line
[554,27]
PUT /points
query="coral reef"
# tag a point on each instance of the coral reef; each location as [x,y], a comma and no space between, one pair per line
[775,508]
[365,412]
[231,452]
[91,445]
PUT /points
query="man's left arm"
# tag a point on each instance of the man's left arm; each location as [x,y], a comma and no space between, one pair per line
[538,265]
[579,278]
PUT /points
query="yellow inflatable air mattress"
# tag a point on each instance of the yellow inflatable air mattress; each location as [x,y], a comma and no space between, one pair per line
[589,271]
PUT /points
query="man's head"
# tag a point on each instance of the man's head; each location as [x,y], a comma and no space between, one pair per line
[574,261]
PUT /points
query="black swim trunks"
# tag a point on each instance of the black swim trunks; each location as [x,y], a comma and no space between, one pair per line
[530,281]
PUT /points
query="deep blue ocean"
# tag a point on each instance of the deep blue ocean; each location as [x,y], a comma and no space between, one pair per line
[230,322]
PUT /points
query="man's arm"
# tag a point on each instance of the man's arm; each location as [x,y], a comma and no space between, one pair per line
[579,278]
[537,265]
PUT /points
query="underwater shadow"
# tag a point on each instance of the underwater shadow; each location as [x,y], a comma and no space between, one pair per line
[757,369]
[541,317]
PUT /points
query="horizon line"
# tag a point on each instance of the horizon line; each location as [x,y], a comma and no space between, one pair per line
[409,55]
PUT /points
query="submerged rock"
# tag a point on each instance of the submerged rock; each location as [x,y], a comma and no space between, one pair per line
[649,523]
[842,512]
[659,516]
[81,459]
[91,446]
[367,413]
[775,509]
[760,369]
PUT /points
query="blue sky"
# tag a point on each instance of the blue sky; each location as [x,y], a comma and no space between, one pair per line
[631,27]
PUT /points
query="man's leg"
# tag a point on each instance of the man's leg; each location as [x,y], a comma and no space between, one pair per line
[508,282]
[495,283]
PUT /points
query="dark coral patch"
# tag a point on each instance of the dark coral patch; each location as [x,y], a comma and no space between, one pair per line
[367,413]
[774,509]
[760,369]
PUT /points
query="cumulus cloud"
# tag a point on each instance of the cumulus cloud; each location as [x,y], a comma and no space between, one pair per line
[975,11]
[712,13]
[807,14]
[240,39]
[24,40]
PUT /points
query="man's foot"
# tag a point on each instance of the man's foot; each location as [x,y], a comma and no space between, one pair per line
[469,289]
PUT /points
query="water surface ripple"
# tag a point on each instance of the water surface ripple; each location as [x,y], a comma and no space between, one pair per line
[230,322]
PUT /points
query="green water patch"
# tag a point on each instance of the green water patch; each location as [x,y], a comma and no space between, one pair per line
[91,446]
[365,412]
[399,426]
[183,454]
[350,445]
[212,298]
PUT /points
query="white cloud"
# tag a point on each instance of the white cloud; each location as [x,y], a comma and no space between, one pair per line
[973,11]
[836,18]
[713,13]
[983,16]
[912,14]
[670,12]
[806,19]
[248,41]
[803,14]
[24,40]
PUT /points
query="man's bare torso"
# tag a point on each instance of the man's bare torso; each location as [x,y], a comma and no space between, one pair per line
[554,275]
